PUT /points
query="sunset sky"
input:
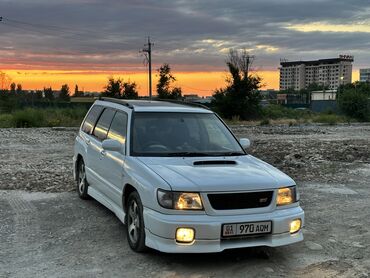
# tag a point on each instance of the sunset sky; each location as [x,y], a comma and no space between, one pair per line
[52,42]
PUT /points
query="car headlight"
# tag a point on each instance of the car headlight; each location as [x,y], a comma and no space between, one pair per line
[179,200]
[286,196]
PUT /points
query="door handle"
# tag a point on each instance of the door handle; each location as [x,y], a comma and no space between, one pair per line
[103,153]
[87,141]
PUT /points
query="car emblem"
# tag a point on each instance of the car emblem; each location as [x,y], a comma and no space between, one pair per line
[263,200]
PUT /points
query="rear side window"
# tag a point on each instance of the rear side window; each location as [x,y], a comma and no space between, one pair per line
[118,128]
[102,126]
[91,118]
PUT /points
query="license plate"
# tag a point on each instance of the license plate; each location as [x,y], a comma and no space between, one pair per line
[243,229]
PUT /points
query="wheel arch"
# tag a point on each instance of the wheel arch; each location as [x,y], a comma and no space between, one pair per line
[127,190]
[79,158]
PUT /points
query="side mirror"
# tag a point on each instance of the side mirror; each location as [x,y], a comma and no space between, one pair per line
[245,142]
[112,145]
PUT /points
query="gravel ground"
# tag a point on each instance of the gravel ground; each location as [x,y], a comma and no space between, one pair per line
[49,232]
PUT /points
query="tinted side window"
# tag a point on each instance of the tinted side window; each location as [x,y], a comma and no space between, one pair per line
[101,128]
[91,119]
[118,128]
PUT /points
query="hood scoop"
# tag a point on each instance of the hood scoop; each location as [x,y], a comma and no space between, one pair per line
[214,162]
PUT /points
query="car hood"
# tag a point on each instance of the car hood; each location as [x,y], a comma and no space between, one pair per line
[238,173]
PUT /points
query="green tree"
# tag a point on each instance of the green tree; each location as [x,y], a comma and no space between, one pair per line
[129,90]
[164,90]
[64,93]
[354,100]
[77,93]
[240,97]
[38,94]
[4,82]
[316,87]
[113,88]
[13,88]
[48,93]
[19,89]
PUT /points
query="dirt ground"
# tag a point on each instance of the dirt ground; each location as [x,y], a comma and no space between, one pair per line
[46,231]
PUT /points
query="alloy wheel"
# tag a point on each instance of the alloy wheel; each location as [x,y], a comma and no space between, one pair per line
[133,222]
[81,179]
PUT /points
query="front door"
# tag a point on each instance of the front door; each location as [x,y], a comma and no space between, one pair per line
[112,162]
[95,152]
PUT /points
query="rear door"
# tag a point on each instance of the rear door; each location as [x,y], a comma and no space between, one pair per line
[95,152]
[112,162]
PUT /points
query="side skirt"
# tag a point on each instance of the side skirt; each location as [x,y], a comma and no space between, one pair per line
[107,203]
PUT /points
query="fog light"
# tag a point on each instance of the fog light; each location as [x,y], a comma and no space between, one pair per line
[185,235]
[295,226]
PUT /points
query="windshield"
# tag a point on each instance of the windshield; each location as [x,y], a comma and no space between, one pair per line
[181,134]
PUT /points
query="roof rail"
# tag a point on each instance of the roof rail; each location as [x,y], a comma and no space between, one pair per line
[116,100]
[185,103]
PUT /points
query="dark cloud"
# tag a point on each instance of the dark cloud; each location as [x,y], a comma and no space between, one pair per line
[192,34]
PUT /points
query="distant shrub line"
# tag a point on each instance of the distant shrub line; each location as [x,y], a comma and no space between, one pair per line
[36,117]
[72,117]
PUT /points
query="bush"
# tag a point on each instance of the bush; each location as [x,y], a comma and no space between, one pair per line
[281,112]
[29,118]
[265,122]
[330,119]
[6,120]
[355,104]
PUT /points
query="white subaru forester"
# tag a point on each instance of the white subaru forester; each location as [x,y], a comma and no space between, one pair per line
[179,179]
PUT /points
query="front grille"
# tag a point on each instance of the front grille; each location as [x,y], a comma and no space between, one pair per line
[228,201]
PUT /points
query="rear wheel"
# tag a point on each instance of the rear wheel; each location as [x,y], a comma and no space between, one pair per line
[81,181]
[135,223]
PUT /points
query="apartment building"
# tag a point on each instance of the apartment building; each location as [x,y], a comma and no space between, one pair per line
[365,75]
[329,73]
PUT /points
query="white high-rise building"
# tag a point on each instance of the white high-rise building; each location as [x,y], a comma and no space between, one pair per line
[365,75]
[330,73]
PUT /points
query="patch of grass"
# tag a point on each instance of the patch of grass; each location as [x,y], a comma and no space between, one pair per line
[28,118]
[6,120]
[32,117]
[265,122]
[280,112]
[330,119]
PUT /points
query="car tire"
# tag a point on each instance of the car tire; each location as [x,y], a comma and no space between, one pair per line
[81,181]
[135,223]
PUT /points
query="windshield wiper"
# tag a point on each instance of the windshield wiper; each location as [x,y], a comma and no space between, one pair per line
[188,154]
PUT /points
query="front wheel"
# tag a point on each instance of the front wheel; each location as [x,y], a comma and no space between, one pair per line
[81,181]
[135,223]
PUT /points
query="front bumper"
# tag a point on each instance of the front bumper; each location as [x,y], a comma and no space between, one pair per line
[161,229]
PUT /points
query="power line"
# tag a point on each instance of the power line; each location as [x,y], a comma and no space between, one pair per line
[51,30]
[38,25]
[56,31]
[26,29]
[203,90]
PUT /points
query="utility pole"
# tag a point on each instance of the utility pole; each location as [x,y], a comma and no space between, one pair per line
[148,56]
